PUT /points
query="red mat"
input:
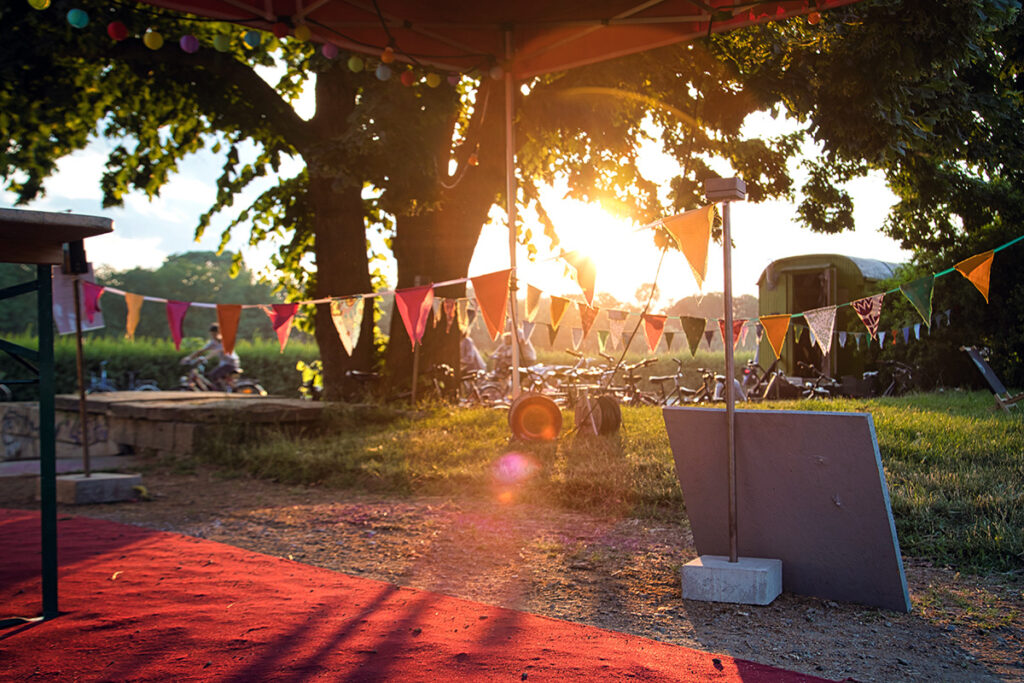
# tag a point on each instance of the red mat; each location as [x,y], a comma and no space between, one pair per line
[139,605]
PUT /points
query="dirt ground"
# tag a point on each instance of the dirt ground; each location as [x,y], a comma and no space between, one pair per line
[619,574]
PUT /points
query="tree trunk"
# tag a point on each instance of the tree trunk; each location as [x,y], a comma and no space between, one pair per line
[437,245]
[339,228]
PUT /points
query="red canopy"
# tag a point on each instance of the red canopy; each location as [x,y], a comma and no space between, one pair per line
[546,35]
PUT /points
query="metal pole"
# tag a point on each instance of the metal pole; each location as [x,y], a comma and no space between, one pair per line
[730,375]
[80,362]
[510,205]
[47,438]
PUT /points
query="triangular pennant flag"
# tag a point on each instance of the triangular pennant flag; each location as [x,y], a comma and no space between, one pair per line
[616,326]
[692,232]
[436,306]
[588,314]
[558,306]
[227,320]
[602,340]
[449,306]
[759,332]
[463,316]
[842,340]
[743,334]
[709,335]
[413,305]
[491,293]
[669,336]
[822,322]
[869,309]
[906,335]
[532,302]
[949,316]
[978,270]
[694,330]
[798,333]
[176,311]
[577,338]
[528,328]
[91,293]
[895,336]
[552,333]
[584,273]
[737,326]
[347,315]
[917,331]
[281,319]
[133,302]
[919,293]
[470,317]
[856,338]
[775,328]
[881,340]
[654,327]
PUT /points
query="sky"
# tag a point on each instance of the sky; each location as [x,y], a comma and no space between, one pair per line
[147,231]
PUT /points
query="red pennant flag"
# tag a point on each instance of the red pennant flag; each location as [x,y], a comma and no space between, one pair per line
[414,305]
[227,320]
[492,299]
[737,328]
[654,327]
[176,311]
[588,314]
[281,317]
[92,293]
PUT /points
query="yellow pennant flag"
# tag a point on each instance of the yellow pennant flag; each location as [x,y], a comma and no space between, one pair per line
[978,269]
[692,232]
[775,328]
[532,302]
[558,306]
[134,304]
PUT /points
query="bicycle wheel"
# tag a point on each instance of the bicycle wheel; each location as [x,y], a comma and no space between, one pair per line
[249,388]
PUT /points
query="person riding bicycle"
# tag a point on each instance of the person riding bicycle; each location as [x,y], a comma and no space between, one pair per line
[228,364]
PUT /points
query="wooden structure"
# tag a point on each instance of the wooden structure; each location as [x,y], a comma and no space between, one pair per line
[43,239]
[801,283]
[1004,399]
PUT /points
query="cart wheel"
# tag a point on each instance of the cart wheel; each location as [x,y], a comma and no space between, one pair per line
[534,417]
[599,415]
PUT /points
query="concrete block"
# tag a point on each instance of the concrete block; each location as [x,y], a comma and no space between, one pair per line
[101,487]
[185,437]
[748,581]
[154,434]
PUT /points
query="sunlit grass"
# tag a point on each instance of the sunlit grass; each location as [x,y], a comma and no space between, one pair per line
[954,467]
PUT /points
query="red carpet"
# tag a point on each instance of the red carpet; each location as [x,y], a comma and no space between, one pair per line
[138,605]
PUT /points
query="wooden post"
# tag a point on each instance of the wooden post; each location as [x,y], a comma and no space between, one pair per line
[83,413]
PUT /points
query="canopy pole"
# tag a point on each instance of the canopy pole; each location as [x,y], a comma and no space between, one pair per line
[511,190]
[730,377]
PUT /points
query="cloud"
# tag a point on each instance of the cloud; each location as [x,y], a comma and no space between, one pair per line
[78,176]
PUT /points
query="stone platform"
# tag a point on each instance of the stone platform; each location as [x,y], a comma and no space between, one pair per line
[143,424]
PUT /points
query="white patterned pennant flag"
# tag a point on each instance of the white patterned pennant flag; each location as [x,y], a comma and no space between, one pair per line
[347,315]
[822,322]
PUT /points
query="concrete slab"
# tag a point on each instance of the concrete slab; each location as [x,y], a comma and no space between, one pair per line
[748,581]
[101,487]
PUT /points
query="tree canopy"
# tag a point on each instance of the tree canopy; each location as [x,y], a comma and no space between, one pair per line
[926,92]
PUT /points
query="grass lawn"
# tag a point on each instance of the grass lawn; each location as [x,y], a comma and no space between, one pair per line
[954,467]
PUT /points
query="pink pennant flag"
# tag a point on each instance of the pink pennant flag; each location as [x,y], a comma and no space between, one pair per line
[91,293]
[281,316]
[414,305]
[654,327]
[737,328]
[176,311]
[491,292]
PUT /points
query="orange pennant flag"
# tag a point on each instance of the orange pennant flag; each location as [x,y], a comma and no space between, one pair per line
[654,327]
[585,273]
[775,328]
[227,320]
[491,292]
[134,304]
[588,314]
[558,306]
[692,232]
[414,305]
[978,269]
[532,302]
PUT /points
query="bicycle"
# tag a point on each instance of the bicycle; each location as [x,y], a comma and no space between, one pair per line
[901,378]
[101,384]
[822,386]
[196,380]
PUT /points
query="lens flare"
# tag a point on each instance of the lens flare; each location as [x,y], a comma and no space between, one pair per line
[510,472]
